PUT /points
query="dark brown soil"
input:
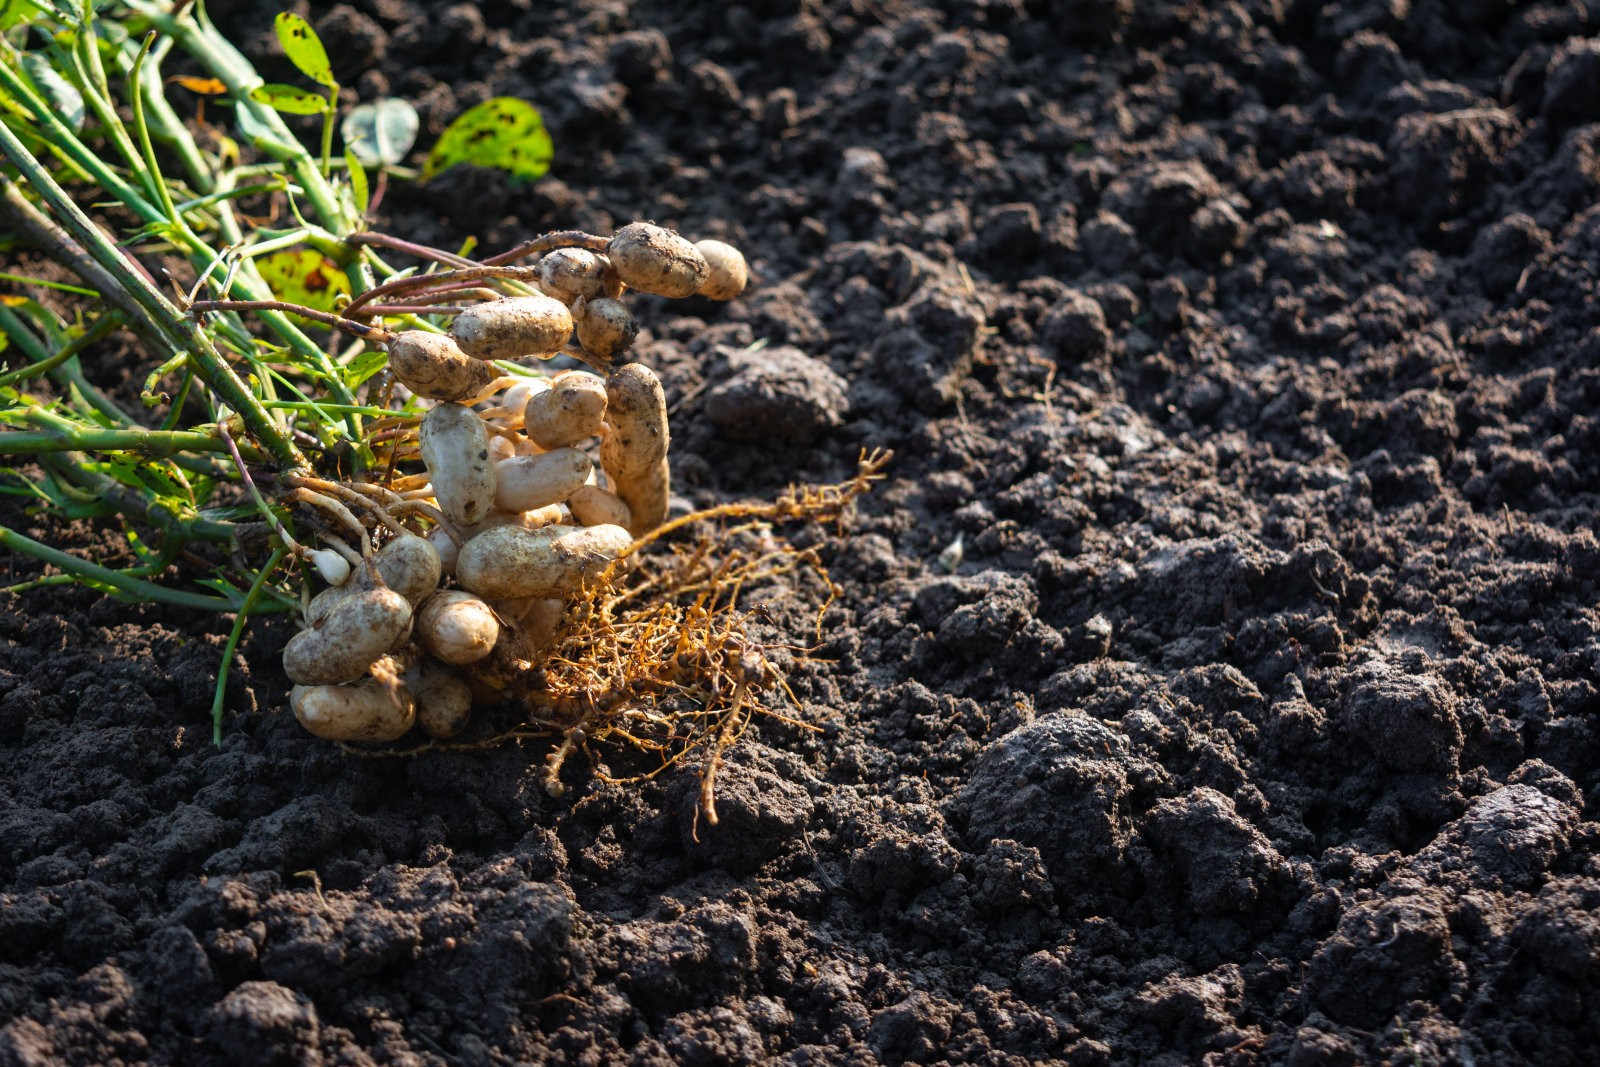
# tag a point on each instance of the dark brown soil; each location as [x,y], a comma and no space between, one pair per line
[1252,352]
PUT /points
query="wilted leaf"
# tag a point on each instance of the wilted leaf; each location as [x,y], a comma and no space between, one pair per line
[289,99]
[304,48]
[505,133]
[382,132]
[304,276]
[203,86]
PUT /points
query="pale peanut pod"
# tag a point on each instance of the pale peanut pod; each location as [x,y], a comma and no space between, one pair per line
[729,273]
[352,636]
[455,449]
[570,273]
[368,710]
[573,408]
[516,398]
[634,453]
[509,561]
[501,447]
[334,568]
[526,482]
[515,326]
[594,506]
[444,545]
[444,700]
[606,328]
[432,365]
[457,627]
[653,259]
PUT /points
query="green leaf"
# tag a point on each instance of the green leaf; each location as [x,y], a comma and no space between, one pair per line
[365,366]
[261,135]
[63,98]
[504,133]
[290,99]
[304,276]
[358,181]
[16,12]
[304,48]
[382,132]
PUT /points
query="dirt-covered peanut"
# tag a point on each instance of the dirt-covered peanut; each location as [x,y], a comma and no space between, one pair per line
[444,700]
[653,259]
[526,482]
[606,328]
[509,561]
[573,408]
[634,452]
[368,710]
[594,506]
[571,273]
[457,627]
[351,637]
[432,365]
[729,273]
[515,326]
[410,566]
[455,449]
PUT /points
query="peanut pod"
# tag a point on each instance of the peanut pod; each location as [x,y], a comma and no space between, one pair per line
[653,259]
[432,365]
[352,636]
[515,326]
[368,710]
[457,627]
[455,449]
[573,408]
[509,561]
[526,482]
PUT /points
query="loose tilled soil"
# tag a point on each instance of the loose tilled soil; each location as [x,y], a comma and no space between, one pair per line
[1250,351]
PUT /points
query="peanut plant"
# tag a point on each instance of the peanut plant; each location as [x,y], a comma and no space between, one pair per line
[360,444]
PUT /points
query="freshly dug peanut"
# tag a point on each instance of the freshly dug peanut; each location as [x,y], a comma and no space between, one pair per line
[457,627]
[358,630]
[653,259]
[432,365]
[570,273]
[455,449]
[515,326]
[594,506]
[334,568]
[634,453]
[444,700]
[409,565]
[509,561]
[526,482]
[574,407]
[606,328]
[516,398]
[501,447]
[443,544]
[369,710]
[729,273]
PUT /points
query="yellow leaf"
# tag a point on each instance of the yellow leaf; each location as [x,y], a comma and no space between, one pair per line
[304,276]
[203,86]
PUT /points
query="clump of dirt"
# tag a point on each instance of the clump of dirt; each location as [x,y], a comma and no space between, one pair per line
[1248,350]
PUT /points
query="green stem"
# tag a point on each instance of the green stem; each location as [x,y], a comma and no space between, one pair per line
[234,635]
[164,318]
[85,571]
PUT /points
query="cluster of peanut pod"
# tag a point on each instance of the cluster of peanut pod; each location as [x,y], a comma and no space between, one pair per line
[532,487]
